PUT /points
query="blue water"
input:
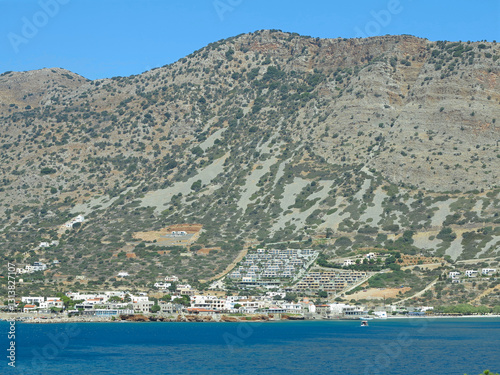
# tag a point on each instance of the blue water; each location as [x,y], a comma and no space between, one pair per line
[405,346]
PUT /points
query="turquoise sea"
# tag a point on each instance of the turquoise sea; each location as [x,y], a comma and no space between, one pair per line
[402,346]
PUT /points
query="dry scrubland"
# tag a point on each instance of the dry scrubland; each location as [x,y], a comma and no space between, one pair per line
[269,137]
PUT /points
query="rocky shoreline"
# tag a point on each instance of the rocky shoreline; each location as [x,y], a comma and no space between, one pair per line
[155,318]
[209,318]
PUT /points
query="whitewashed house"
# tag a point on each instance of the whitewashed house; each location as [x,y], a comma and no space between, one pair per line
[488,271]
[471,273]
[52,302]
[311,307]
[37,266]
[77,219]
[162,285]
[337,308]
[32,300]
[29,308]
[292,308]
[139,298]
[143,306]
[380,314]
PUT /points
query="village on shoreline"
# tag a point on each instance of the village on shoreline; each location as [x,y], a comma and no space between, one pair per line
[266,285]
[186,304]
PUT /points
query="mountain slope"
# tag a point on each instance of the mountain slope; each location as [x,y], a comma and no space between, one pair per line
[267,136]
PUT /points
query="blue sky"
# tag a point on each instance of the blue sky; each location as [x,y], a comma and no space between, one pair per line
[106,38]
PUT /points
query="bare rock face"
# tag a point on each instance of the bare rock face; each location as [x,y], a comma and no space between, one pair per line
[291,317]
[225,318]
[264,135]
[135,318]
[415,110]
[260,318]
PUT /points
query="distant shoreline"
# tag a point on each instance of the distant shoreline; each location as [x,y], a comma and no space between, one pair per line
[55,320]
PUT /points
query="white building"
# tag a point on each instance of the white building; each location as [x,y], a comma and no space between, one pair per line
[249,306]
[123,274]
[347,262]
[37,266]
[29,308]
[274,294]
[47,244]
[471,273]
[139,298]
[172,279]
[77,219]
[162,285]
[115,293]
[143,306]
[453,274]
[94,301]
[32,300]
[337,308]
[311,307]
[52,302]
[77,296]
[380,314]
[292,307]
[488,271]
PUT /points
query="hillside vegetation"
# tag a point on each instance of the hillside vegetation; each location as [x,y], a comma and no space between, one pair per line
[388,142]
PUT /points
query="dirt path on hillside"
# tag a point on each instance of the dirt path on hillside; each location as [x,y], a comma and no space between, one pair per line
[233,264]
[485,293]
[419,293]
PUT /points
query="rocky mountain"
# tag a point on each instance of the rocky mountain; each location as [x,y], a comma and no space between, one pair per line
[265,137]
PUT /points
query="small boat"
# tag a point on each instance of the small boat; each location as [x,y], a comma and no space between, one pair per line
[364,323]
[365,318]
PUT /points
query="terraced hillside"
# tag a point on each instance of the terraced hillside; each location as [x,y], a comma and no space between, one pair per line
[266,137]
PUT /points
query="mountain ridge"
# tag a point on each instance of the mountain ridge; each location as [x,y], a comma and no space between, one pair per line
[268,136]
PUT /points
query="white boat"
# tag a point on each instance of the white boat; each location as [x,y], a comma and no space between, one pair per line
[365,318]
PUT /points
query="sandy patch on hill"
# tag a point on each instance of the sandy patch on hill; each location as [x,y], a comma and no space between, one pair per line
[193,231]
[373,293]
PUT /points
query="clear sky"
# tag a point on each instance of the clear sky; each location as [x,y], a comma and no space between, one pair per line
[106,38]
